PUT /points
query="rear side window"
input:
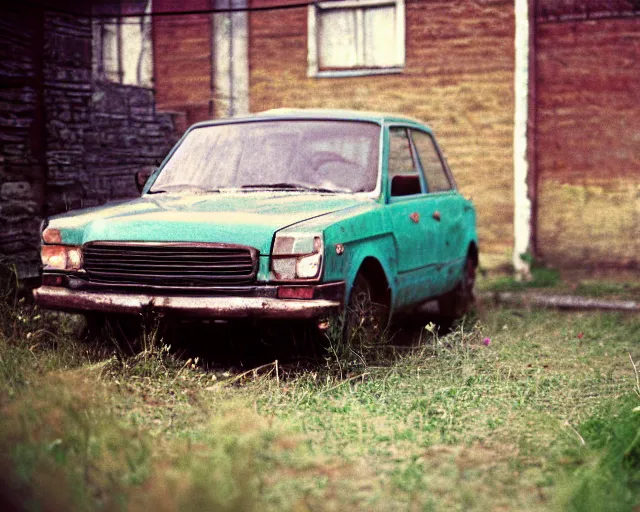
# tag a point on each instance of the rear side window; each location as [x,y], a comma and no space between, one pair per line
[404,179]
[434,172]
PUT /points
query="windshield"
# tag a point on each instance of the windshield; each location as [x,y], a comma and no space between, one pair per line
[330,156]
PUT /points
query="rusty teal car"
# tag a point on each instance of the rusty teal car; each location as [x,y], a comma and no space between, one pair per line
[289,214]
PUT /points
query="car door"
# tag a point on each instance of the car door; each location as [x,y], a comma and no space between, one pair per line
[411,212]
[448,212]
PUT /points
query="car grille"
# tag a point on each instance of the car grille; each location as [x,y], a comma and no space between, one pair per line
[170,265]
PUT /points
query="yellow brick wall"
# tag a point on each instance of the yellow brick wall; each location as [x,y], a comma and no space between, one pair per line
[458,78]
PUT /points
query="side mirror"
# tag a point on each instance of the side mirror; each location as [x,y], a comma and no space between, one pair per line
[142,176]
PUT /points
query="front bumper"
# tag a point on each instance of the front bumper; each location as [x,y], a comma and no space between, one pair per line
[224,307]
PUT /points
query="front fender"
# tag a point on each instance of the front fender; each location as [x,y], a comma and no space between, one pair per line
[345,266]
[363,252]
[350,237]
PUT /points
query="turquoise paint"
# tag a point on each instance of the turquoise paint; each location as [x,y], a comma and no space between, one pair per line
[249,218]
[419,260]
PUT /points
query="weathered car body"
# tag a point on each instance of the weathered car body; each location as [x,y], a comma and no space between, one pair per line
[285,250]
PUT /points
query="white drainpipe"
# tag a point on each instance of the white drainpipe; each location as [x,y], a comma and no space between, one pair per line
[522,203]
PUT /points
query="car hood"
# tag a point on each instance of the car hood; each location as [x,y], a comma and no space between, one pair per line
[239,218]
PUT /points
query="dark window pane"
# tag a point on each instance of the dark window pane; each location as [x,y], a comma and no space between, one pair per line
[403,175]
[437,180]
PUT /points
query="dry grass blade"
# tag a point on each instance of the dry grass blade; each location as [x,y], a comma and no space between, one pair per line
[635,370]
[322,392]
[244,374]
[570,427]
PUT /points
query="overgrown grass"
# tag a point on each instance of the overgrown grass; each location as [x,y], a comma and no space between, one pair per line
[513,409]
[607,469]
[551,280]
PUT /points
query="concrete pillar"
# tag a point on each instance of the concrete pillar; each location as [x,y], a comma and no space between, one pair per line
[231,59]
[522,202]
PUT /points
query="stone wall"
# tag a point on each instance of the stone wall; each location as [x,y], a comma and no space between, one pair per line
[98,134]
[126,135]
[67,107]
[22,174]
[67,141]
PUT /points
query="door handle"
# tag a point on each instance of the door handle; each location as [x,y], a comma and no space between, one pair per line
[436,215]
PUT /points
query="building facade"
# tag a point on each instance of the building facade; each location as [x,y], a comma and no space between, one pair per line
[448,63]
[90,96]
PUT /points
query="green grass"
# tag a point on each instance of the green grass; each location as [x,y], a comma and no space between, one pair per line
[607,474]
[540,278]
[540,418]
[594,288]
[552,281]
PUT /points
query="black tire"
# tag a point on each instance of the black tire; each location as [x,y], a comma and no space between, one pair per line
[366,315]
[120,328]
[458,302]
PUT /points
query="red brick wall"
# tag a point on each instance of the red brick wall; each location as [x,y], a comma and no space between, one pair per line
[458,78]
[182,59]
[588,142]
[566,9]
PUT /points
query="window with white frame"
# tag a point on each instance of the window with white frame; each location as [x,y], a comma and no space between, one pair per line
[122,45]
[356,37]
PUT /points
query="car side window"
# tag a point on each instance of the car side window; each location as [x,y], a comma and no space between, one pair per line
[434,171]
[404,178]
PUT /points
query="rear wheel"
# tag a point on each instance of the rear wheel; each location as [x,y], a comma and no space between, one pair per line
[458,302]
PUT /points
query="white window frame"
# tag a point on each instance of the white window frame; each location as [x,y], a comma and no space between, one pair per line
[124,71]
[314,70]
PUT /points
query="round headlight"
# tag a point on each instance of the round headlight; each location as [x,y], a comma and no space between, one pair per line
[74,258]
[61,257]
[54,256]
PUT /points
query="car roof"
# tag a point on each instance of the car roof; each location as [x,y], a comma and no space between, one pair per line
[322,113]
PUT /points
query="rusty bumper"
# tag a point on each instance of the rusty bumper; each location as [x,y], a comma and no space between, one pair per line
[52,297]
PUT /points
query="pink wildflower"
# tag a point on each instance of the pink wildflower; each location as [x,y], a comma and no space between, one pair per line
[487,342]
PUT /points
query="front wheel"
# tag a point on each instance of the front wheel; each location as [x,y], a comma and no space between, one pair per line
[456,303]
[366,315]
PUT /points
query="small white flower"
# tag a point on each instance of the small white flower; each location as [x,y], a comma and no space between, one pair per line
[430,327]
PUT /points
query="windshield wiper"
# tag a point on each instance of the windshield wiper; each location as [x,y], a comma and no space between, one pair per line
[184,186]
[290,186]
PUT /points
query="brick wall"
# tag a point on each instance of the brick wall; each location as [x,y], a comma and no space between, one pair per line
[182,59]
[458,78]
[575,9]
[588,142]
